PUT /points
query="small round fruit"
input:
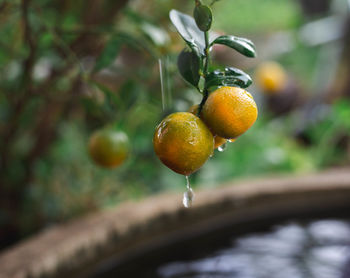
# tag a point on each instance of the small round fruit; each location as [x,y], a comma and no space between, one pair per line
[109,148]
[271,77]
[229,112]
[218,141]
[183,142]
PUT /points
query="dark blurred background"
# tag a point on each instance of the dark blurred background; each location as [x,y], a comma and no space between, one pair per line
[68,68]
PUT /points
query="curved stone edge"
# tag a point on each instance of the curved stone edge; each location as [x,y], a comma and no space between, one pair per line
[78,246]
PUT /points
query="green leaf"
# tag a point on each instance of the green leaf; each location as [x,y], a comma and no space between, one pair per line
[189,65]
[109,53]
[242,45]
[157,35]
[203,17]
[188,30]
[230,77]
[111,99]
[341,110]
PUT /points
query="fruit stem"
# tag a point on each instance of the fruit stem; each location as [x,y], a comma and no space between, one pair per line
[206,52]
[204,99]
[205,72]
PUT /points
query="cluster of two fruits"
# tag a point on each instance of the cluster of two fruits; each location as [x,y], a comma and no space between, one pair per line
[184,142]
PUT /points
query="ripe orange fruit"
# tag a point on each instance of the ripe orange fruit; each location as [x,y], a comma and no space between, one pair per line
[183,142]
[218,141]
[109,148]
[271,77]
[229,112]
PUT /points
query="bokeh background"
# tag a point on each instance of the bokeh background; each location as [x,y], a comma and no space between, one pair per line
[68,68]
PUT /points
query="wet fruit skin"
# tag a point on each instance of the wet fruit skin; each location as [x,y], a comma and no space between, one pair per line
[229,112]
[109,148]
[183,142]
[218,141]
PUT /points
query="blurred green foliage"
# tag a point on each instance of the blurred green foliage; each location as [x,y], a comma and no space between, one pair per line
[92,68]
[256,16]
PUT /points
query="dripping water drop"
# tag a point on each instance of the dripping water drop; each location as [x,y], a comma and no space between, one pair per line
[222,147]
[188,195]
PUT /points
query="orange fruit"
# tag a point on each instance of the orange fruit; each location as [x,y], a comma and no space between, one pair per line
[271,77]
[229,112]
[183,142]
[109,148]
[218,141]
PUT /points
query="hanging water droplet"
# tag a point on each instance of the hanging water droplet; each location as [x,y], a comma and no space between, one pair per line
[222,147]
[188,195]
[188,198]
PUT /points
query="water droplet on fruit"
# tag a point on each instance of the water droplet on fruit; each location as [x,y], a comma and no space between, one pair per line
[222,147]
[188,195]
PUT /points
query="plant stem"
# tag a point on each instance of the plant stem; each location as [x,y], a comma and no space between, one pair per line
[213,2]
[206,52]
[205,72]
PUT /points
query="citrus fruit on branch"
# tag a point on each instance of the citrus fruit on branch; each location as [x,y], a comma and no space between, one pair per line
[229,112]
[183,142]
[109,148]
[218,141]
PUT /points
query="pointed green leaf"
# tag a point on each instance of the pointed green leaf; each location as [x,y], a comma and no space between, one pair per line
[189,65]
[112,100]
[109,53]
[157,35]
[230,77]
[242,45]
[188,30]
[203,17]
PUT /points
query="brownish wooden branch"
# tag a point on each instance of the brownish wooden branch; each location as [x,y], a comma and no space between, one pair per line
[20,98]
[97,13]
[29,62]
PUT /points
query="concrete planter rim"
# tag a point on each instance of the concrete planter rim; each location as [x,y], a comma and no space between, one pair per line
[79,247]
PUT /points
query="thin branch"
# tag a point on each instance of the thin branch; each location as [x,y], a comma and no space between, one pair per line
[28,64]
[62,45]
[205,73]
[213,2]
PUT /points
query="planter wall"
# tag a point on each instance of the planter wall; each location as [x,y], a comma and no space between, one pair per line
[80,247]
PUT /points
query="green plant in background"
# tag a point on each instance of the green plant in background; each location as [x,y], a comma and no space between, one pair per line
[57,59]
[69,68]
[330,136]
[257,16]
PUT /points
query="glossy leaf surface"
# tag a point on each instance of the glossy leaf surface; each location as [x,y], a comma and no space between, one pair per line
[230,77]
[187,28]
[242,45]
[203,17]
[189,65]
